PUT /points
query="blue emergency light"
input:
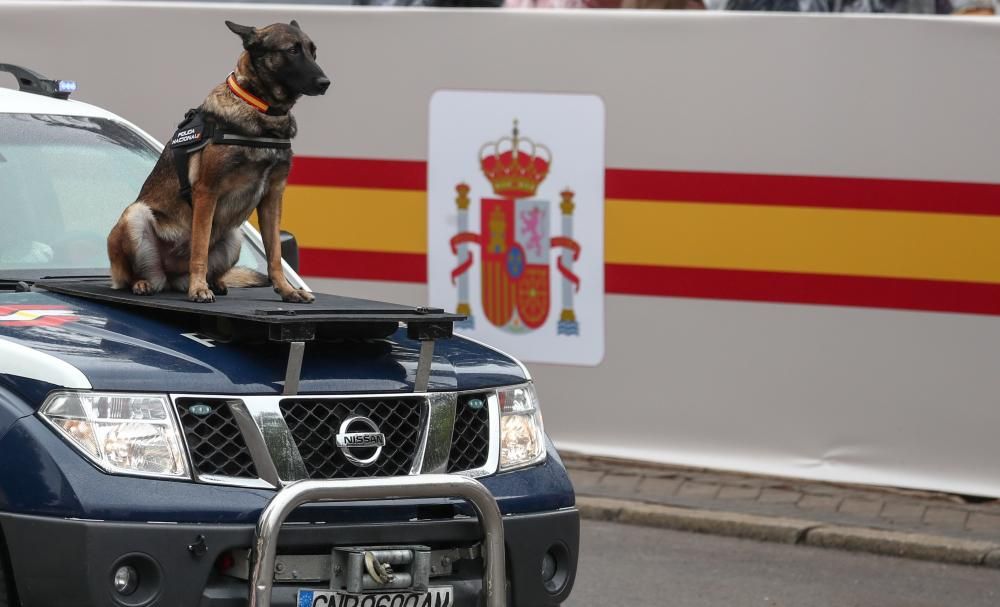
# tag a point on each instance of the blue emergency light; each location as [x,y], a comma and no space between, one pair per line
[29,81]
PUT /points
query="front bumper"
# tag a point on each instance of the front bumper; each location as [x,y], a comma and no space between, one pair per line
[70,563]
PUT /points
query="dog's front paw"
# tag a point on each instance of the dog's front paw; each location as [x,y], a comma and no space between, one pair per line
[298,296]
[142,287]
[201,294]
[220,288]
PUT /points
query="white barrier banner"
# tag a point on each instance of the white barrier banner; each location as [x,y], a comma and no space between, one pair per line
[794,220]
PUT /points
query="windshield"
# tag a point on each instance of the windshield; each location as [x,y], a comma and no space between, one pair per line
[64,180]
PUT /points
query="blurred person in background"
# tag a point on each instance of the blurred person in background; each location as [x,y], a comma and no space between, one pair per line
[545,4]
[557,4]
[926,7]
[932,7]
[664,4]
[974,7]
[433,3]
[922,7]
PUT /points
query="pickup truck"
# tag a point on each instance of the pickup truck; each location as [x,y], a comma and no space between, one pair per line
[150,455]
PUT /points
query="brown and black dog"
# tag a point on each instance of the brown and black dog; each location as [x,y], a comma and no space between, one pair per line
[163,241]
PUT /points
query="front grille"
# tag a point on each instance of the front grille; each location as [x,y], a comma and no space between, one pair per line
[214,440]
[470,443]
[314,425]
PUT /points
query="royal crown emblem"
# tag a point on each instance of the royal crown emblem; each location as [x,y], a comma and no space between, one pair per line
[515,165]
[515,241]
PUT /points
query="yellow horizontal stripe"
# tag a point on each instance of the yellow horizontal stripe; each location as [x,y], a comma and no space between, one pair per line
[722,236]
[360,219]
[795,239]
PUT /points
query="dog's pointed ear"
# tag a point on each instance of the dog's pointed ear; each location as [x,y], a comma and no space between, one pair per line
[294,24]
[247,33]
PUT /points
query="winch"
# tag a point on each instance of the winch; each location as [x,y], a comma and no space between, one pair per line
[359,569]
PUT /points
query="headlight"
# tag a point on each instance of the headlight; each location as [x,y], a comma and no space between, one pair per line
[522,438]
[121,433]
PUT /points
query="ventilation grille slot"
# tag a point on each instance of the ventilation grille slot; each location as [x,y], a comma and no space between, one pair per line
[470,443]
[214,440]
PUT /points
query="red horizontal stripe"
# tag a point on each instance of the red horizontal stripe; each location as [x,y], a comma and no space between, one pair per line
[363,265]
[805,191]
[740,285]
[359,173]
[732,188]
[787,287]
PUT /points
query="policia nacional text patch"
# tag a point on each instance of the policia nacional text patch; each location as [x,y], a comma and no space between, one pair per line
[194,133]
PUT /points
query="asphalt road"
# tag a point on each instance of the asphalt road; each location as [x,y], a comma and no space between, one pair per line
[631,566]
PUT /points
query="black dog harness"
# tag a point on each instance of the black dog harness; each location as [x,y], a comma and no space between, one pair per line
[194,133]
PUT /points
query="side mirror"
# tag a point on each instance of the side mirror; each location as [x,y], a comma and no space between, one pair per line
[290,250]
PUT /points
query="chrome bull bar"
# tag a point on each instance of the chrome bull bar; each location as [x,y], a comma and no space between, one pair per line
[291,497]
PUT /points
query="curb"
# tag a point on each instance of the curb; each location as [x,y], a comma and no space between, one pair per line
[919,546]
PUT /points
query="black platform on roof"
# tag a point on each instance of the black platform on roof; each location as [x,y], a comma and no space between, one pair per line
[329,315]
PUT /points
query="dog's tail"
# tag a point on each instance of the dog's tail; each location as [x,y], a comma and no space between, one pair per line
[241,276]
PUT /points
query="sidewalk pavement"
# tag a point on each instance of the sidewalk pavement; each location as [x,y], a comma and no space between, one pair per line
[898,522]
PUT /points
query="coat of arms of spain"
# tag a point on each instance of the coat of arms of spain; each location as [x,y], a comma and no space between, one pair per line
[515,241]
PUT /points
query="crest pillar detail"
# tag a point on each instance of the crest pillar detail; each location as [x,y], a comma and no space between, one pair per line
[568,324]
[465,258]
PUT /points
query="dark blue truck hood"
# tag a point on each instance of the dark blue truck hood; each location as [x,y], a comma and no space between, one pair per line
[122,348]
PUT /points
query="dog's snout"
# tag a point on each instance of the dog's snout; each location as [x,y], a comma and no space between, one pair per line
[322,83]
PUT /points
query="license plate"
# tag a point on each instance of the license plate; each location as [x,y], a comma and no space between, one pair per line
[438,596]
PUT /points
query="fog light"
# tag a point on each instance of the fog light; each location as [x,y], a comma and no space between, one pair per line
[555,568]
[126,580]
[548,567]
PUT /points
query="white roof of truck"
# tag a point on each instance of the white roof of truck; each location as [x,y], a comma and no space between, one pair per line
[16,102]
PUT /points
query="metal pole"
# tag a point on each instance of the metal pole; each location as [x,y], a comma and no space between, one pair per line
[424,363]
[288,499]
[296,351]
